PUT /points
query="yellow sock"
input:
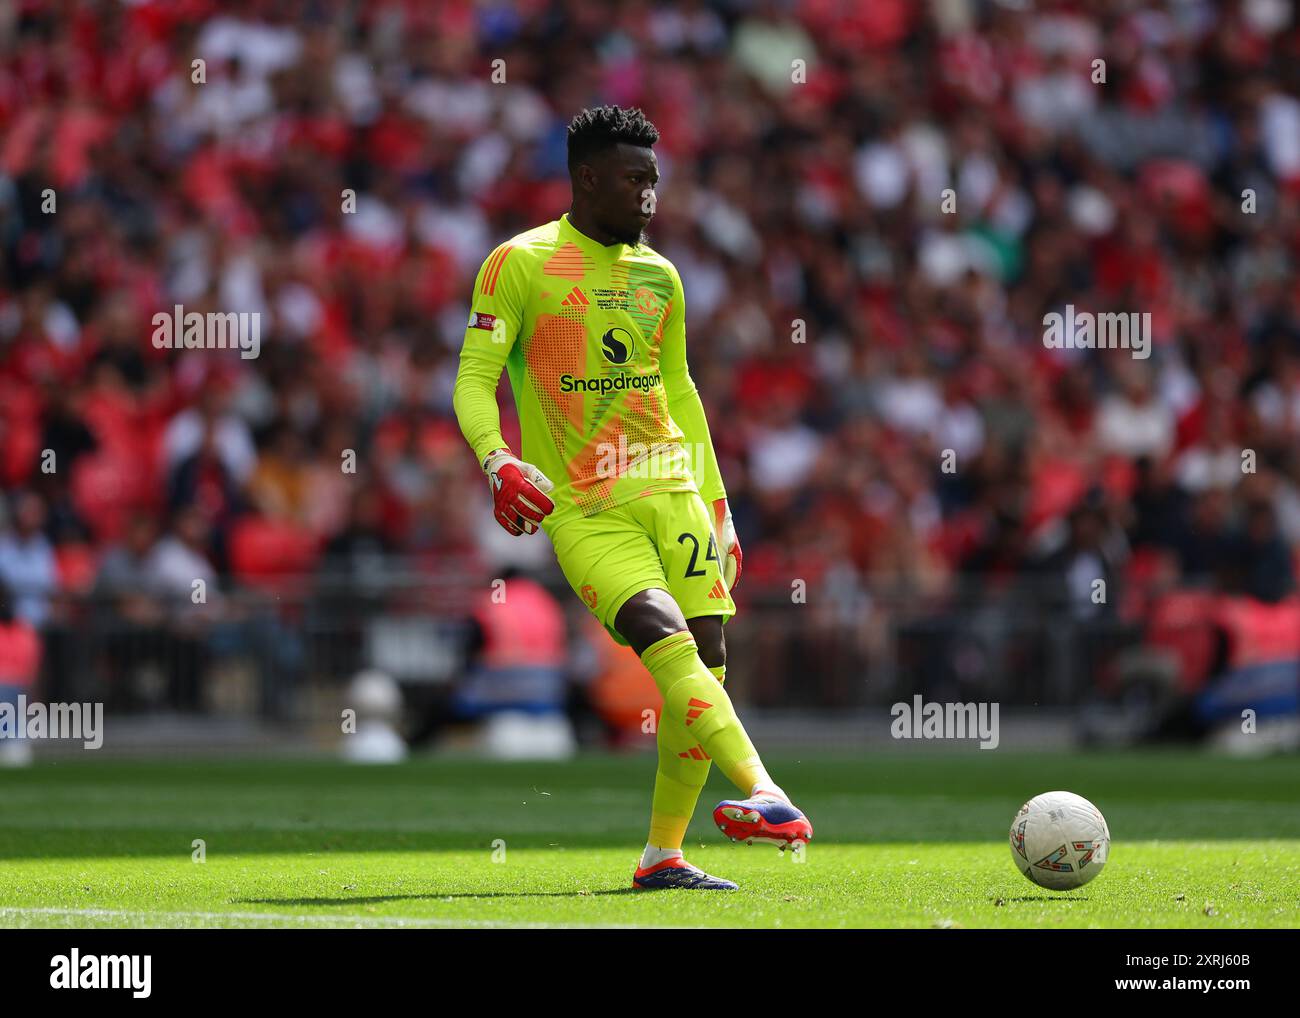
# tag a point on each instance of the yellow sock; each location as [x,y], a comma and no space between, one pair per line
[693,698]
[683,769]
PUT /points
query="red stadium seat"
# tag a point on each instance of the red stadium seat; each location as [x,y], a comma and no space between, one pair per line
[265,552]
[1183,622]
[77,565]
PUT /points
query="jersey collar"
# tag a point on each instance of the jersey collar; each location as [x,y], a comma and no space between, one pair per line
[611,252]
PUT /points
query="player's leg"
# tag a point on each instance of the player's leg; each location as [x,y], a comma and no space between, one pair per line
[608,558]
[653,625]
[707,630]
[683,764]
[683,761]
[683,767]
[694,700]
[683,530]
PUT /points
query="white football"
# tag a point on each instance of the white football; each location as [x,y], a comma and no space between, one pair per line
[1059,840]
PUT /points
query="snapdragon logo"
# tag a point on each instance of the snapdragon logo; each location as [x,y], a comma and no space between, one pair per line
[606,384]
[217,330]
[1084,330]
[617,345]
[921,720]
[23,720]
[75,971]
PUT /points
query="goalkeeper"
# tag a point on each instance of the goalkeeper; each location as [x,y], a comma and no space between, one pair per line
[618,468]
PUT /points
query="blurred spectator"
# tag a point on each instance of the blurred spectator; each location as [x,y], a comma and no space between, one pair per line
[27,565]
[179,566]
[179,569]
[210,429]
[125,583]
[133,617]
[1082,575]
[1262,560]
[20,660]
[517,652]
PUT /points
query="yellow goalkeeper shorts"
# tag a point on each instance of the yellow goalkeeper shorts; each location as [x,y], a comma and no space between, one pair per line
[663,540]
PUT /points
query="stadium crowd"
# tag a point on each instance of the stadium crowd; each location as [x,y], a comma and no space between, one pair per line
[872,205]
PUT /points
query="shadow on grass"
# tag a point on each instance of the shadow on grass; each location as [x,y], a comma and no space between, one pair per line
[28,842]
[1043,897]
[381,898]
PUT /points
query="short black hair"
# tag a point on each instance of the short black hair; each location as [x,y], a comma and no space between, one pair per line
[594,130]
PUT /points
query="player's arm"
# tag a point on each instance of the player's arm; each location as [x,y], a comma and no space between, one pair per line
[496,313]
[686,409]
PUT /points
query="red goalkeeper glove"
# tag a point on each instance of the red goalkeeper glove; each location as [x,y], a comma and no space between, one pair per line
[518,492]
[728,544]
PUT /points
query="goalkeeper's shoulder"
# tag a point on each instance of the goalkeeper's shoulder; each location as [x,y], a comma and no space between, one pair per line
[649,256]
[646,253]
[530,246]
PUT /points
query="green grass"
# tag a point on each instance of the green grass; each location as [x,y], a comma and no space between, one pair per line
[903,839]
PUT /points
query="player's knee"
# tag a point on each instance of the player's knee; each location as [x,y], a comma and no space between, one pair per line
[707,630]
[647,617]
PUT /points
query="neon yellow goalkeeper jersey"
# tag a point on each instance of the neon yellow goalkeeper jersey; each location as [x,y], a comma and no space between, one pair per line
[593,340]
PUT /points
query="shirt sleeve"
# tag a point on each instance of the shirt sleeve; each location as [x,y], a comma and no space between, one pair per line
[496,313]
[684,404]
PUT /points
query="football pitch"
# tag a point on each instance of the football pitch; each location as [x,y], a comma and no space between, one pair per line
[903,839]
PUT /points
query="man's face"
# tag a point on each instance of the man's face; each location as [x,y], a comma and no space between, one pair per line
[622,183]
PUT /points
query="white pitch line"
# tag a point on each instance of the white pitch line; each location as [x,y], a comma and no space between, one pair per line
[322,920]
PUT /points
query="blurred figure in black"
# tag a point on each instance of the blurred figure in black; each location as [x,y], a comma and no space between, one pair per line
[1261,565]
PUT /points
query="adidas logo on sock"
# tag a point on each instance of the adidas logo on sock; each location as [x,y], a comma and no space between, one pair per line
[697,707]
